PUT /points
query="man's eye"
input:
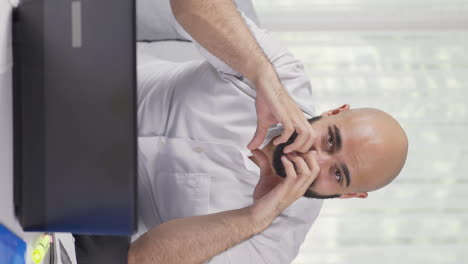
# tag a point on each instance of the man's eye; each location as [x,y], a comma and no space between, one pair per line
[338,175]
[331,142]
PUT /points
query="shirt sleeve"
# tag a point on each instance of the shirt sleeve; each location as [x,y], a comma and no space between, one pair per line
[279,243]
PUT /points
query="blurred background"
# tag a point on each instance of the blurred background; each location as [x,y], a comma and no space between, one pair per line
[409,58]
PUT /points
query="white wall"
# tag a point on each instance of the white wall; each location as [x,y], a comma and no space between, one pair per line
[6,119]
[409,58]
[301,15]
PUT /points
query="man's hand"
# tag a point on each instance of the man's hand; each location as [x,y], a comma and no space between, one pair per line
[274,105]
[219,28]
[273,195]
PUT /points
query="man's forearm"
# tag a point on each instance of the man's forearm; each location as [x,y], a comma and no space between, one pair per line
[194,239]
[219,28]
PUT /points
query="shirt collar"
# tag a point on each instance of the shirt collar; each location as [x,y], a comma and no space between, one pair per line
[248,163]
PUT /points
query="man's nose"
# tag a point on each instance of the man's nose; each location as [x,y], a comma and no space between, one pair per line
[320,157]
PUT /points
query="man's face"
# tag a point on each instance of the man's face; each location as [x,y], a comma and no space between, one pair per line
[349,155]
[279,167]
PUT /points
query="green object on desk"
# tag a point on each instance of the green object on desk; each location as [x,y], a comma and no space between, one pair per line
[40,249]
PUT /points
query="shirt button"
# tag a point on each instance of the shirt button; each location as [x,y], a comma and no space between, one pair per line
[198,149]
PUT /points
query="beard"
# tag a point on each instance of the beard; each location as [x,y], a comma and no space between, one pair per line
[278,151]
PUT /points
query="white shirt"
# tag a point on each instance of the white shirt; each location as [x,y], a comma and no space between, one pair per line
[195,120]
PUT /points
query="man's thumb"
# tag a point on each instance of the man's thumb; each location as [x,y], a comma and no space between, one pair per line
[258,138]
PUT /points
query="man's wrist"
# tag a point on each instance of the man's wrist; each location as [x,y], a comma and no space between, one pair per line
[269,84]
[260,220]
[263,74]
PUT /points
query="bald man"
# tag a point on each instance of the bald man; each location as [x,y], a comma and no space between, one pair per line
[203,196]
[358,151]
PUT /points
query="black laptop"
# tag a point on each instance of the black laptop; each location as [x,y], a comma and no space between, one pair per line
[75,133]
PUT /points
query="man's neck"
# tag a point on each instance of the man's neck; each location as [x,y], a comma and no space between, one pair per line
[268,150]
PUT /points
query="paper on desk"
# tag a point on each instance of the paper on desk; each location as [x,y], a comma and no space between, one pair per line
[12,248]
[64,248]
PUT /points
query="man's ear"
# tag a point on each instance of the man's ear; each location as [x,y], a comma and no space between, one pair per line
[355,195]
[336,110]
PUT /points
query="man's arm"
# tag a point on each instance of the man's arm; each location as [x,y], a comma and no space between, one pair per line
[199,238]
[220,29]
[194,239]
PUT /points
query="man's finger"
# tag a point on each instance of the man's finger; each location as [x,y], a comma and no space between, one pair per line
[301,166]
[259,137]
[289,168]
[305,138]
[310,141]
[298,142]
[288,131]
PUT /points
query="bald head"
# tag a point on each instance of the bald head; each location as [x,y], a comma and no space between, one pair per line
[381,144]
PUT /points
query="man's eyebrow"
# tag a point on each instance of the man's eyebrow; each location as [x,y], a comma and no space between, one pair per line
[346,173]
[338,138]
[338,147]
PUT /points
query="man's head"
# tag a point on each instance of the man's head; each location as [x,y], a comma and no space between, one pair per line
[358,151]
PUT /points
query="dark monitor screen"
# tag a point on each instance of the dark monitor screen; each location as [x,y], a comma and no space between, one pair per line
[74,105]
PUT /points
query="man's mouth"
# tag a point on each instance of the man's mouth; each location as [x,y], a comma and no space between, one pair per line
[278,152]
